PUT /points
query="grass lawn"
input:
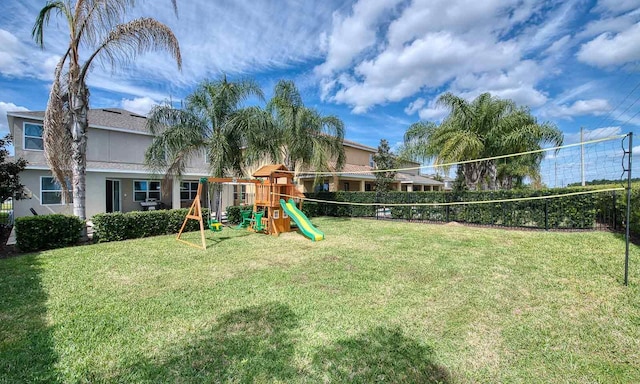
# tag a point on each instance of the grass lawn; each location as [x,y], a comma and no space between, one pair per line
[374,302]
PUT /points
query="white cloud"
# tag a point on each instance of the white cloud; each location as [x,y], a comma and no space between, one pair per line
[455,45]
[546,33]
[617,6]
[573,93]
[351,35]
[427,62]
[140,105]
[611,24]
[517,84]
[592,134]
[559,45]
[433,113]
[231,37]
[595,107]
[608,49]
[4,108]
[428,111]
[415,106]
[20,60]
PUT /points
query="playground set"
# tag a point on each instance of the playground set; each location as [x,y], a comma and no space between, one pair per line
[271,214]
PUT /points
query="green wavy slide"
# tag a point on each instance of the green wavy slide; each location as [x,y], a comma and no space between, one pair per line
[303,222]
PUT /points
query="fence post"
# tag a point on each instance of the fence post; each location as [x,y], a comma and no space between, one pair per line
[546,214]
[615,215]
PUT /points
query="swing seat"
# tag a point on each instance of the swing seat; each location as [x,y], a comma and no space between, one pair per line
[215,226]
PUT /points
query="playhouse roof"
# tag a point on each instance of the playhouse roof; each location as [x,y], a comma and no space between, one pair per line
[267,170]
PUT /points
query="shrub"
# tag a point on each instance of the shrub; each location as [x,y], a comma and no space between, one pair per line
[578,211]
[137,224]
[5,218]
[35,233]
[233,214]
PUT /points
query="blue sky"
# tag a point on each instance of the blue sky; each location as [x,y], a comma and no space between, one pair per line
[378,65]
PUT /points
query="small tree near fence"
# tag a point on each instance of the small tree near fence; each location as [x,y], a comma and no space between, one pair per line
[384,159]
[9,172]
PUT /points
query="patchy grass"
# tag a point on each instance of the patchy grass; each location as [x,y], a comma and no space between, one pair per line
[374,302]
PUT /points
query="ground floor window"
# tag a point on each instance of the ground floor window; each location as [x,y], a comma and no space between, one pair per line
[188,190]
[51,192]
[324,187]
[239,194]
[346,186]
[146,189]
[367,187]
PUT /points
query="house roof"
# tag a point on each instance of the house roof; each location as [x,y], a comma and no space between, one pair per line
[365,172]
[267,170]
[353,144]
[406,178]
[101,118]
[349,170]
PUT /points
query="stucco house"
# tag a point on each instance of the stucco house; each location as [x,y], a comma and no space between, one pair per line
[357,174]
[118,181]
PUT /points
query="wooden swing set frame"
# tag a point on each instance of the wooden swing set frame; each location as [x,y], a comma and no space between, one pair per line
[195,212]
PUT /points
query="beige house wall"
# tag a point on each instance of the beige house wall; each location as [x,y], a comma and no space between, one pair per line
[356,156]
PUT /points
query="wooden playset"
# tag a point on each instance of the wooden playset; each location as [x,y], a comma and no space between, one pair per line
[272,183]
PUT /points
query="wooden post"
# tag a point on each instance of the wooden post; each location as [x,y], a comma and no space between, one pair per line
[195,213]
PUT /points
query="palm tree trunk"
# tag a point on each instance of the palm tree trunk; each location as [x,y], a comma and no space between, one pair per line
[492,173]
[79,123]
[471,172]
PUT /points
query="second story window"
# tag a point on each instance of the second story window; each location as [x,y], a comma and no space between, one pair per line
[33,137]
[372,163]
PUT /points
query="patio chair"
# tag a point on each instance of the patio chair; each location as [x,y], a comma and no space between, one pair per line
[257,221]
[246,219]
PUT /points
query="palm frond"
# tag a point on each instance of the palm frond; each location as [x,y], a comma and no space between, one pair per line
[56,134]
[37,32]
[127,40]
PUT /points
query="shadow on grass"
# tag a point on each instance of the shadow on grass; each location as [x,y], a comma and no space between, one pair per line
[210,237]
[26,343]
[633,238]
[252,344]
[257,344]
[380,355]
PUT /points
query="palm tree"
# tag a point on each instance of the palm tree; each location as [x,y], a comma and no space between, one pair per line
[307,138]
[483,128]
[93,24]
[215,122]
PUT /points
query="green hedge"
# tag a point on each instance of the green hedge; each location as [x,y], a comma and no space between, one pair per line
[233,213]
[36,233]
[5,218]
[618,210]
[578,211]
[137,224]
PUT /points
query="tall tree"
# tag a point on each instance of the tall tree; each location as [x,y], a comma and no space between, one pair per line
[9,172]
[307,138]
[213,121]
[94,25]
[384,159]
[483,128]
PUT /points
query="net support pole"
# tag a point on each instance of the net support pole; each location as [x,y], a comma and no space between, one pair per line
[628,218]
[582,156]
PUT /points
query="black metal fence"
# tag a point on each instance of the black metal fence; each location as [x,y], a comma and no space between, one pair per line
[537,210]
